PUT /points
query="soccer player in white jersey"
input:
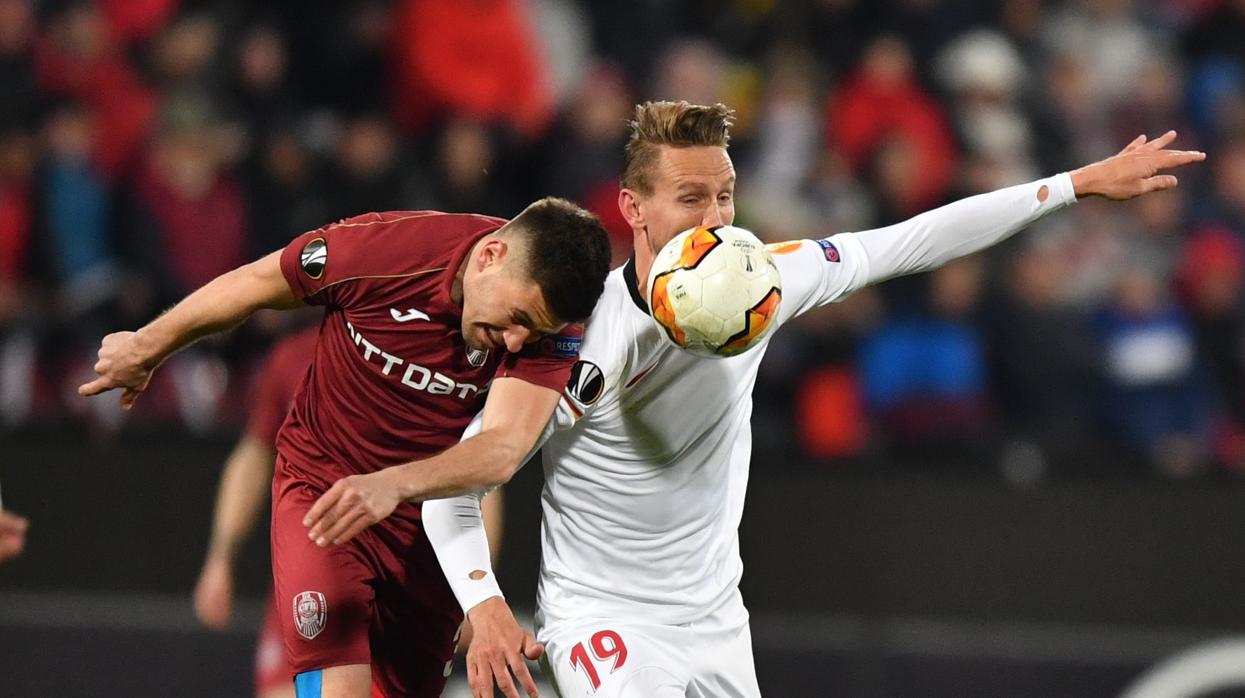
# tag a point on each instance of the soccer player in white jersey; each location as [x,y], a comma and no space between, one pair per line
[646,462]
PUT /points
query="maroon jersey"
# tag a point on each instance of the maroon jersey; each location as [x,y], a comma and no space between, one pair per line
[279,379]
[392,379]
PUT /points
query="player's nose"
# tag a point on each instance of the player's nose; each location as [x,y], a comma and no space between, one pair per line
[712,217]
[516,337]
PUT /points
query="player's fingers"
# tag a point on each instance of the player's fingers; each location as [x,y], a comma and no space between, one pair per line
[359,526]
[475,679]
[323,505]
[1161,182]
[1137,142]
[519,667]
[501,673]
[1175,158]
[128,397]
[479,678]
[1161,142]
[339,527]
[95,387]
[533,650]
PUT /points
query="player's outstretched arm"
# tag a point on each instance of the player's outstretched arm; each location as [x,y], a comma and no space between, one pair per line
[244,487]
[127,359]
[933,238]
[515,416]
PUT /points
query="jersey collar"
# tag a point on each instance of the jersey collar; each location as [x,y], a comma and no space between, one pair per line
[632,281]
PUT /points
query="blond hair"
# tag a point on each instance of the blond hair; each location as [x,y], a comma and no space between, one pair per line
[678,124]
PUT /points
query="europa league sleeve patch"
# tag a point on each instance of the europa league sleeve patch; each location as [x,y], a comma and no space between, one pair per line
[831,252]
[313,258]
[586,383]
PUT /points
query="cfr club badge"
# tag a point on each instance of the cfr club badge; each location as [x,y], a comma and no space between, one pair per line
[310,612]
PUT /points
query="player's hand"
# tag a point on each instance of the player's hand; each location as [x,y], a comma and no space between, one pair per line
[499,650]
[1135,170]
[12,535]
[213,596]
[120,365]
[351,505]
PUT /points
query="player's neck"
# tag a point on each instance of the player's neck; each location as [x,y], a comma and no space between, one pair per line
[643,262]
[460,275]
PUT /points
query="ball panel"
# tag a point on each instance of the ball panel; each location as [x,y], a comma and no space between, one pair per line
[759,319]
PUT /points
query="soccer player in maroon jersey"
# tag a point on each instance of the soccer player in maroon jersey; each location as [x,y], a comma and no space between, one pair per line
[245,485]
[429,317]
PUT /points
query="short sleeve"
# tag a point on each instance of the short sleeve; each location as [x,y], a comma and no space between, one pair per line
[547,363]
[315,263]
[818,272]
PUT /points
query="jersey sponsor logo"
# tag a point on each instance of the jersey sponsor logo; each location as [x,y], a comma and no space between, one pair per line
[310,613]
[414,376]
[564,345]
[477,357]
[587,383]
[410,314]
[313,257]
[784,247]
[831,252]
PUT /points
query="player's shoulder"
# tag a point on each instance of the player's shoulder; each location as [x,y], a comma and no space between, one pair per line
[415,229]
[613,321]
[392,243]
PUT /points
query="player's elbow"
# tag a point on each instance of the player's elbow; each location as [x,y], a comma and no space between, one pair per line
[508,455]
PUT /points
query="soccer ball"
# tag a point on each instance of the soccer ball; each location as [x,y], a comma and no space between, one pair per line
[714,291]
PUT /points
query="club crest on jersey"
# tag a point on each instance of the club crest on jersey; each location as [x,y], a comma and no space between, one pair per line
[564,345]
[310,612]
[313,257]
[477,357]
[831,252]
[586,383]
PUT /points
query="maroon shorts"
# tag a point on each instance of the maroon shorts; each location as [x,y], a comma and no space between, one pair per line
[271,669]
[380,599]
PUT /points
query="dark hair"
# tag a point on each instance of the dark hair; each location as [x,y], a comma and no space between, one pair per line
[678,124]
[568,255]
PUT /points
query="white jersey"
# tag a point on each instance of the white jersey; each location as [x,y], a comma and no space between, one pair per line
[645,476]
[646,471]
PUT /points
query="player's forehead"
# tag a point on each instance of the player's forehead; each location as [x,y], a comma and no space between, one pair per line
[694,167]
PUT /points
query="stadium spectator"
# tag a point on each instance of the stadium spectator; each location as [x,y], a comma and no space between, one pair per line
[1153,402]
[880,105]
[924,372]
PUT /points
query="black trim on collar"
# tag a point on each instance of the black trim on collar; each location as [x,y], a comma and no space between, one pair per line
[632,281]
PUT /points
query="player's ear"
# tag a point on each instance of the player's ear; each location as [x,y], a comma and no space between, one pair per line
[629,206]
[492,253]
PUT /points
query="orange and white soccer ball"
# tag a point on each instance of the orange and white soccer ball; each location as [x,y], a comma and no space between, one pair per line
[714,291]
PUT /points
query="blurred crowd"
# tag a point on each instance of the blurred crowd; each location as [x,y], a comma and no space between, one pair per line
[148,145]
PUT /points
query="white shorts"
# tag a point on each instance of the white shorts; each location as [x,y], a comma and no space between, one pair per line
[615,658]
